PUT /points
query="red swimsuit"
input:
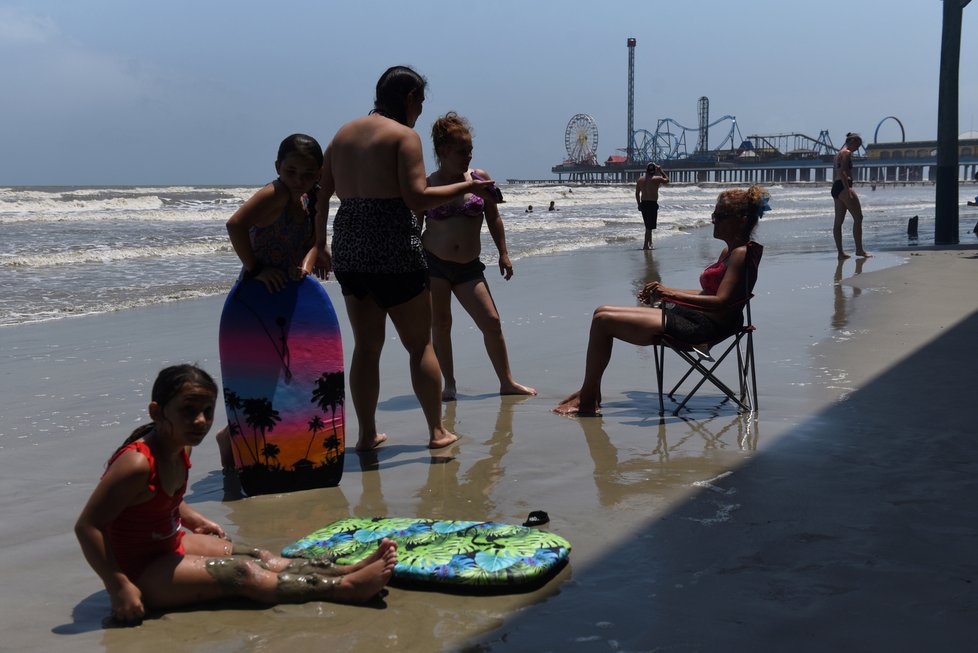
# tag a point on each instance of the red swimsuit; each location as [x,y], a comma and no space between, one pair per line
[149,530]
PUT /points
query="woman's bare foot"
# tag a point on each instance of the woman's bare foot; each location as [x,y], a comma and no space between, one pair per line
[442,438]
[863,254]
[515,388]
[843,256]
[366,444]
[572,406]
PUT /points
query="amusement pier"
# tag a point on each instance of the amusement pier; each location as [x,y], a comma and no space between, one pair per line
[686,154]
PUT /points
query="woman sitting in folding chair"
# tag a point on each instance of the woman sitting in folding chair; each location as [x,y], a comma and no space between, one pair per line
[688,316]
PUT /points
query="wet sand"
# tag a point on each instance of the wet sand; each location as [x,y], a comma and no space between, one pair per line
[842,515]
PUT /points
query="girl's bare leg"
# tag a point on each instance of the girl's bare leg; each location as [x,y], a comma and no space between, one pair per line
[183,580]
[477,301]
[441,334]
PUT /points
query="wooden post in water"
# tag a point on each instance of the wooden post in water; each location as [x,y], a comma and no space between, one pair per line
[946,193]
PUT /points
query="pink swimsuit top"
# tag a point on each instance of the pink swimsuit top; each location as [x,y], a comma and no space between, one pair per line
[713,275]
[472,207]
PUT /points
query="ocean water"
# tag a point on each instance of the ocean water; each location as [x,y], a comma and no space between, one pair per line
[79,251]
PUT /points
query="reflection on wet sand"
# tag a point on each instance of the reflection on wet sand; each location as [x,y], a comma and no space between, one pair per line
[444,495]
[840,316]
[616,476]
[649,272]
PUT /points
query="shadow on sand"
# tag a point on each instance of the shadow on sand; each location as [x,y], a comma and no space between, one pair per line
[857,526]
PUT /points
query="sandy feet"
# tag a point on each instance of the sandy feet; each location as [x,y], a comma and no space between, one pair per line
[515,388]
[572,406]
[442,438]
[366,582]
[366,444]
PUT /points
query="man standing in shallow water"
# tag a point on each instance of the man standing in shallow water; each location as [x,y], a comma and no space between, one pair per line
[647,196]
[845,198]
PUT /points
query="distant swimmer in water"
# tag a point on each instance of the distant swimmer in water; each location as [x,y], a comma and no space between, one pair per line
[453,241]
[552,207]
[845,198]
[647,196]
[529,209]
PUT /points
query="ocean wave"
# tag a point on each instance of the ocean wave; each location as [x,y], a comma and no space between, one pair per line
[58,203]
[81,309]
[159,214]
[80,256]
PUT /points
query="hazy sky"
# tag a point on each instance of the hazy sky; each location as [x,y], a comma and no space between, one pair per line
[202,91]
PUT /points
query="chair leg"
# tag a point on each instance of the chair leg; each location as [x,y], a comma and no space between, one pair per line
[660,354]
[752,362]
[745,399]
[707,374]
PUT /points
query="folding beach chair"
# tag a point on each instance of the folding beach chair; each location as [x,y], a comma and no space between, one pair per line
[702,363]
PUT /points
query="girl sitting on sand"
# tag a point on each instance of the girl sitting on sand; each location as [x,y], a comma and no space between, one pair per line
[131,529]
[690,316]
[452,241]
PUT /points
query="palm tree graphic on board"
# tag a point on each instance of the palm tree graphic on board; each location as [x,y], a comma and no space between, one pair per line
[261,417]
[316,424]
[233,403]
[329,395]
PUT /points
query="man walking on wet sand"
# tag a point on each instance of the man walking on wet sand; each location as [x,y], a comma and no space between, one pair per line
[845,198]
[647,196]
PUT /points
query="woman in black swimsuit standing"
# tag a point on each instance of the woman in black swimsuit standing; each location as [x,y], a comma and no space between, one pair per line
[845,198]
[375,166]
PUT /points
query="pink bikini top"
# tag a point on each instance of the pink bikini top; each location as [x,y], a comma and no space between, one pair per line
[713,275]
[472,207]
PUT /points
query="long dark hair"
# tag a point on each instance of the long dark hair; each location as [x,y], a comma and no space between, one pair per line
[393,89]
[303,145]
[168,384]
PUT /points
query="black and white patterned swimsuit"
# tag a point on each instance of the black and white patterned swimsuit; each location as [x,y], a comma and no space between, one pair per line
[377,236]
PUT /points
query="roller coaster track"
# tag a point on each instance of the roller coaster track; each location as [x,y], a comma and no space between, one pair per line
[668,144]
[795,143]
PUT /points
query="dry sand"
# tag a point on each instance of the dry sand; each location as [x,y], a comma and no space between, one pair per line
[842,517]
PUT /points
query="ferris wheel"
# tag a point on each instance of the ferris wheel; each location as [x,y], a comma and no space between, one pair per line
[581,139]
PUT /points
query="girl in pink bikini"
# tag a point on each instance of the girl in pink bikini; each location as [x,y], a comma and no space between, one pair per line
[154,551]
[453,240]
[690,316]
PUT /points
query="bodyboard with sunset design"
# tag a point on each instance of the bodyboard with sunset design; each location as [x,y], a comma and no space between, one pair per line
[282,369]
[447,555]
